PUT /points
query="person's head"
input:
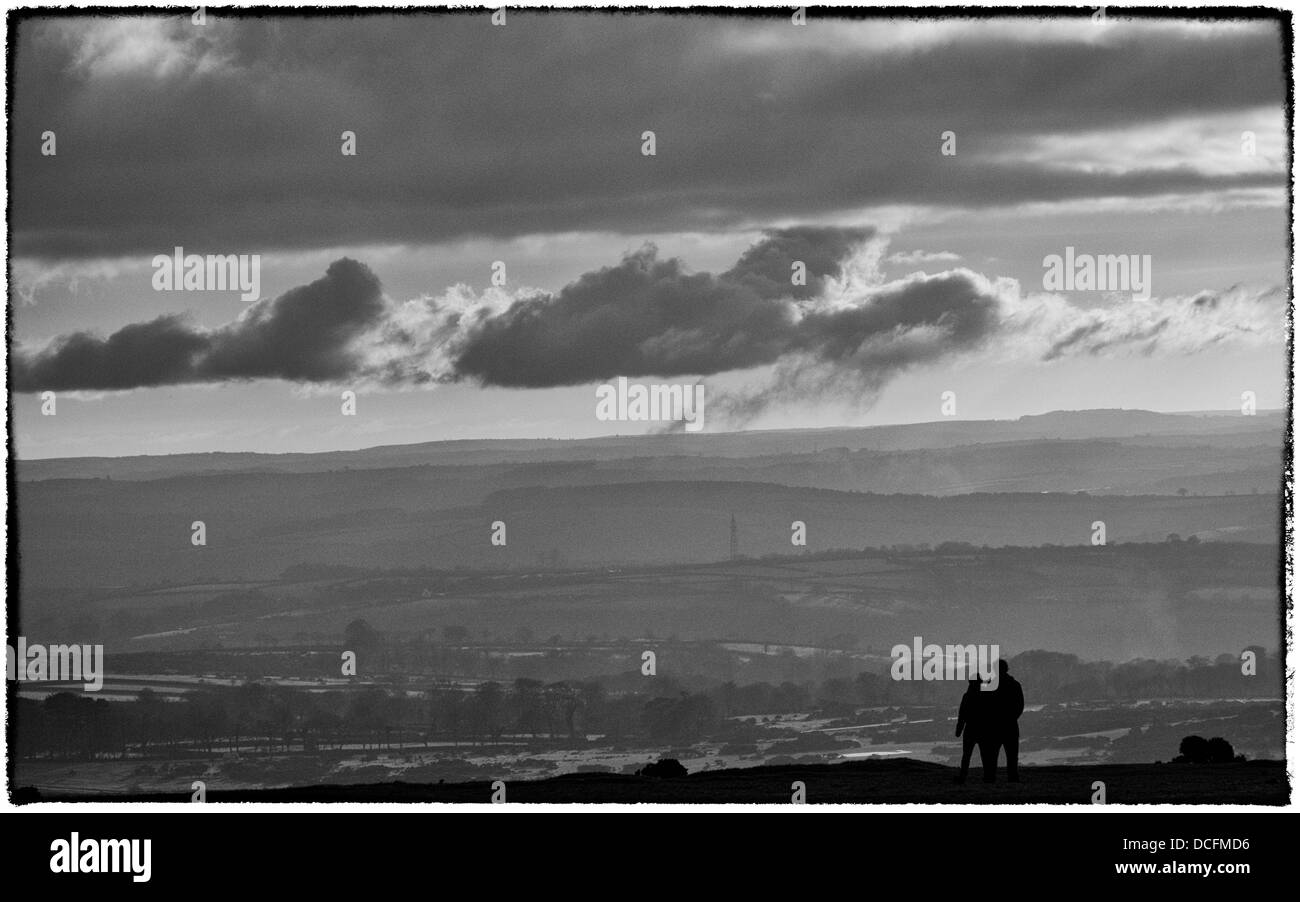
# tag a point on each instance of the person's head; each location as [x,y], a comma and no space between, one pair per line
[1002,666]
[973,685]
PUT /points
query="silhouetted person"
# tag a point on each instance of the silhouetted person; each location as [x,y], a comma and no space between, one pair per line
[1008,703]
[972,719]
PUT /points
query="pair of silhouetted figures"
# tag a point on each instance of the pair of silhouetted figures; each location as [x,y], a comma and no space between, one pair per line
[989,719]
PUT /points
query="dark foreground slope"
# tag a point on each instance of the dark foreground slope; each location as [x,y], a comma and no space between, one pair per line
[895,781]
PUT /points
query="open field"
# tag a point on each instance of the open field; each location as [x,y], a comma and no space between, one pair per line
[1116,602]
[1078,734]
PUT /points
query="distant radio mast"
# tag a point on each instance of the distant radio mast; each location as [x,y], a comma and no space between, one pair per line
[735,542]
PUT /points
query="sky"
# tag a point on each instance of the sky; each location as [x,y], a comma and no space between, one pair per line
[919,171]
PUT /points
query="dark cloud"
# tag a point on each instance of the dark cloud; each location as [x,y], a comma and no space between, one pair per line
[159,352]
[304,335]
[647,317]
[766,267]
[953,309]
[650,317]
[850,354]
[226,138]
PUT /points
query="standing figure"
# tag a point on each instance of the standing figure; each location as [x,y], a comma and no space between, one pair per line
[1008,703]
[971,720]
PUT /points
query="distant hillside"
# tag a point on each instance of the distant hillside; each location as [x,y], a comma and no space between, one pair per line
[650,499]
[1218,430]
[99,532]
[1166,600]
[1103,466]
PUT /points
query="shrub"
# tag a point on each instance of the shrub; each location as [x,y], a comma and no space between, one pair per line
[664,767]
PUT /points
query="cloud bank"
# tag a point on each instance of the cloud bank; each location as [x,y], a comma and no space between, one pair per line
[466,130]
[305,335]
[841,332]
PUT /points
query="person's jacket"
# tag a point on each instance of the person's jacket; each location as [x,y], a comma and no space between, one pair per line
[968,713]
[1010,698]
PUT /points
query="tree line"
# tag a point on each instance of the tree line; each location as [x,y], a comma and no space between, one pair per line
[627,709]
